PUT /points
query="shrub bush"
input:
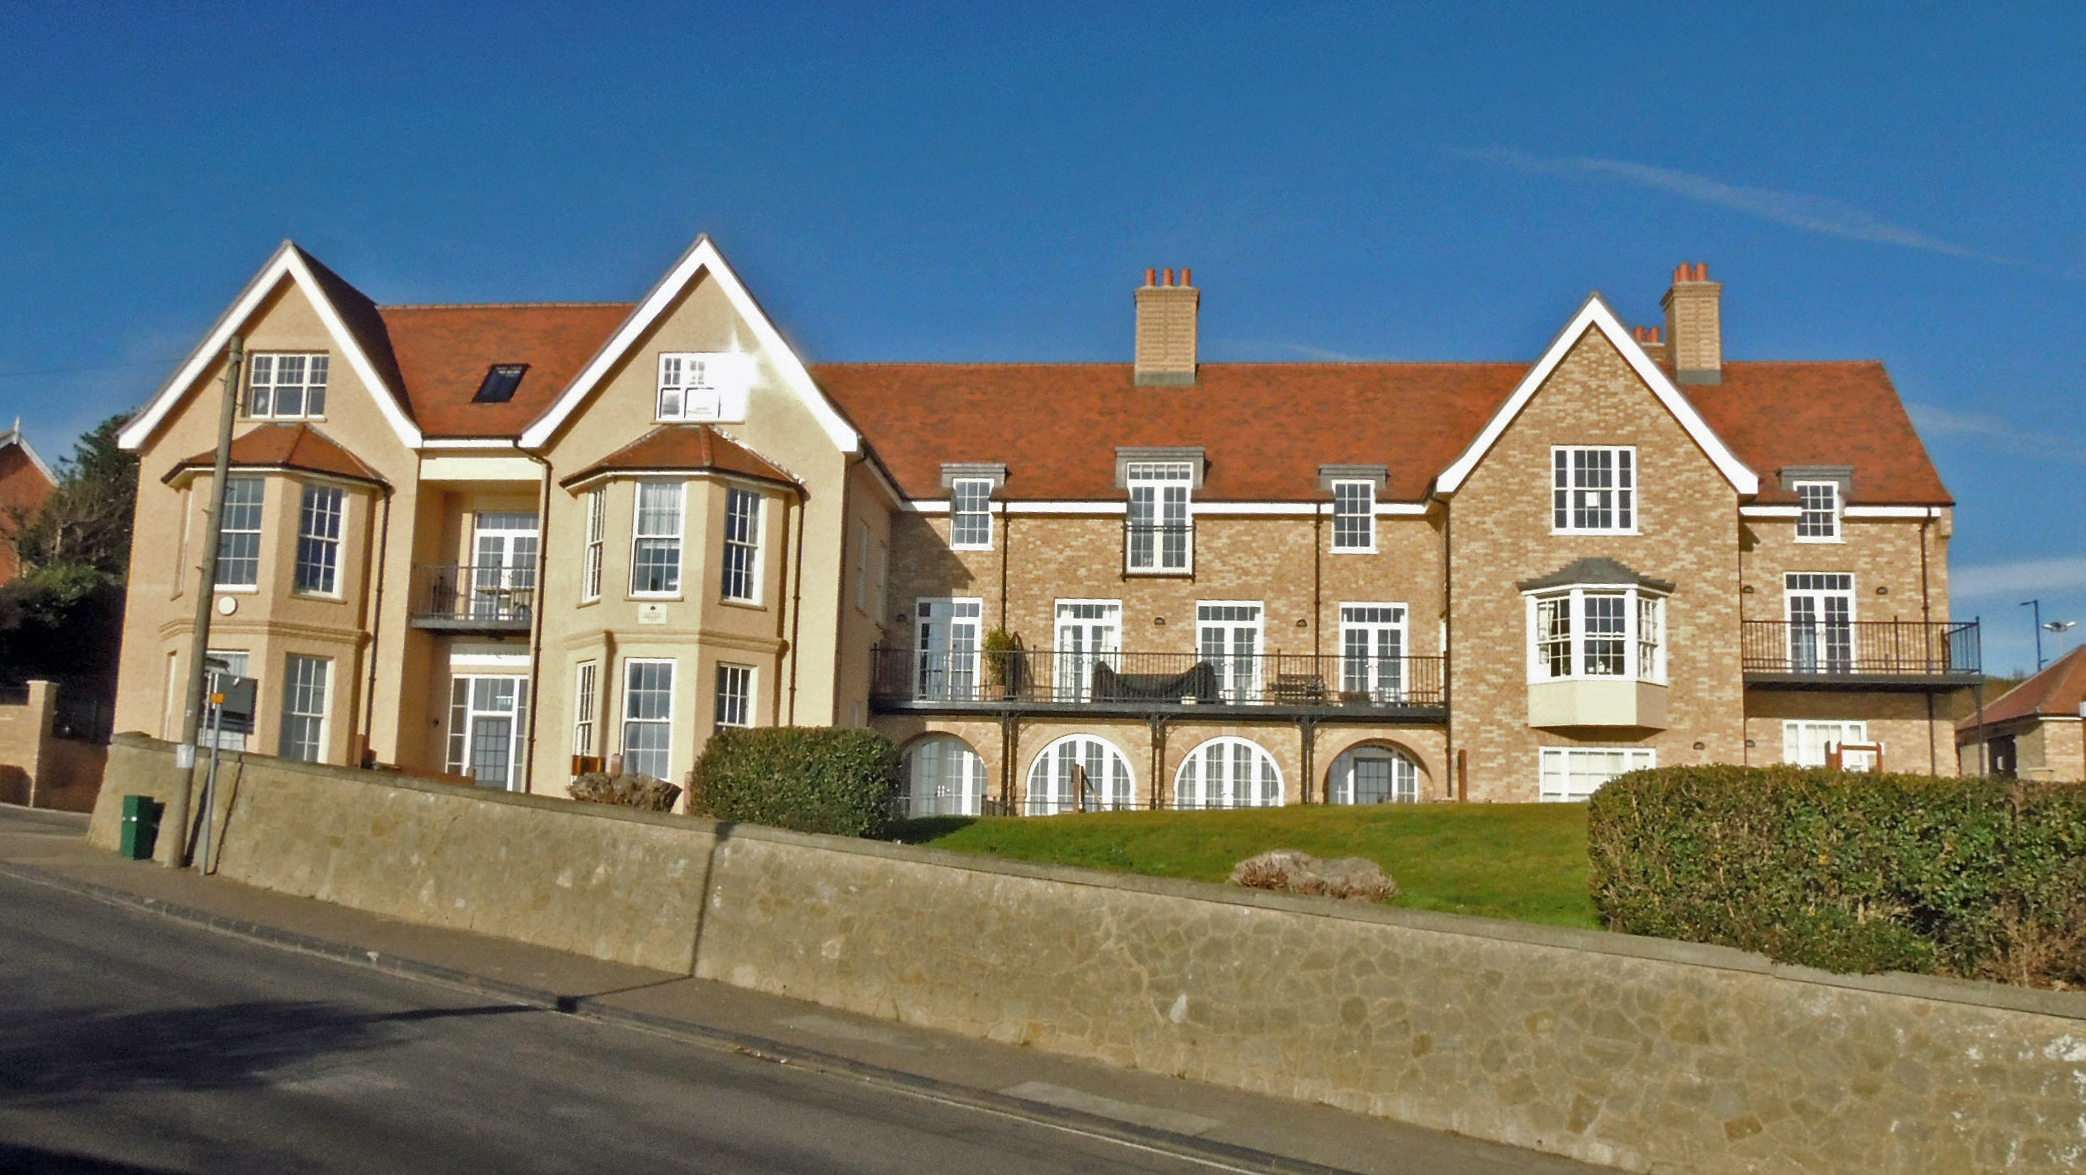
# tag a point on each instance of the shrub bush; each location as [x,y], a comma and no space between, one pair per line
[1979,878]
[809,779]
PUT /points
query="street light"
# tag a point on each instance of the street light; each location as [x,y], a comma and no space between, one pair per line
[2041,628]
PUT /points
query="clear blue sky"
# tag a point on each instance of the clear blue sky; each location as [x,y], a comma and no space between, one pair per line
[940,182]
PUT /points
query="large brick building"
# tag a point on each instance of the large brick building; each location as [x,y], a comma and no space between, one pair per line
[502,540]
[26,483]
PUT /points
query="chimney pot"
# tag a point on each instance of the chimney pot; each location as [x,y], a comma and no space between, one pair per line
[1151,277]
[1187,277]
[1169,276]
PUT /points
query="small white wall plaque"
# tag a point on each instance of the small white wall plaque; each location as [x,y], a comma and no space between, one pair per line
[651,613]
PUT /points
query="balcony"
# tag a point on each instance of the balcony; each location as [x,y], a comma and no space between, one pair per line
[473,597]
[1862,654]
[1065,682]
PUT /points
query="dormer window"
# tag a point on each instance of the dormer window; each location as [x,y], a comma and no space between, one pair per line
[970,514]
[704,386]
[1160,537]
[286,387]
[1820,520]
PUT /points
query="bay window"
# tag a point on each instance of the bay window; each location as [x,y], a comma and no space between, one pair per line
[1593,632]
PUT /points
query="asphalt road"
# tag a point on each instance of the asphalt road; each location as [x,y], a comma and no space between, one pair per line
[134,1044]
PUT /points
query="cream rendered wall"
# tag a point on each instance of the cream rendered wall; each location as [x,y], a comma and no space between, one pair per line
[700,629]
[269,623]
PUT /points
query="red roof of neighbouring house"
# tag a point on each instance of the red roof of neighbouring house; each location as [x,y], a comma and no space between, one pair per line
[685,447]
[443,353]
[2057,691]
[285,446]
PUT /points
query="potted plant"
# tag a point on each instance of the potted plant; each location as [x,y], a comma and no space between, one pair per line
[1004,661]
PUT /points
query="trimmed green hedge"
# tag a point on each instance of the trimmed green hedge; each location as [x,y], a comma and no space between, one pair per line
[810,779]
[1981,878]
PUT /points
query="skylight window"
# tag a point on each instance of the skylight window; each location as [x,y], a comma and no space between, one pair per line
[500,381]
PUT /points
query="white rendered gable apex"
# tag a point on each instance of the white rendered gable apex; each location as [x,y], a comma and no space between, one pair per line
[701,257]
[286,262]
[1596,315]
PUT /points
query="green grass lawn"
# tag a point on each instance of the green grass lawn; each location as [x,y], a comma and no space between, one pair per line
[1521,861]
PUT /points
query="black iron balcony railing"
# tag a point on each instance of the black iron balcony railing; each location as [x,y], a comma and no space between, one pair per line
[1145,680]
[1824,650]
[484,597]
[1158,548]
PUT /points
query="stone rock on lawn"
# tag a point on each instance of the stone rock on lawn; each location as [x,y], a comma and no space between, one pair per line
[629,791]
[1289,871]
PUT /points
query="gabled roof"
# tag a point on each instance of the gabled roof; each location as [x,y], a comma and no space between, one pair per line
[700,259]
[297,447]
[349,317]
[1265,427]
[444,351]
[1594,571]
[684,448]
[1778,415]
[13,436]
[2056,692]
[1596,316]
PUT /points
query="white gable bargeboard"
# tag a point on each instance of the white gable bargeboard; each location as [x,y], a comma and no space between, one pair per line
[1596,315]
[702,258]
[287,263]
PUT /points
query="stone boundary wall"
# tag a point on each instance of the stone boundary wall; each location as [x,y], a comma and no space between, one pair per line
[38,769]
[1639,1053]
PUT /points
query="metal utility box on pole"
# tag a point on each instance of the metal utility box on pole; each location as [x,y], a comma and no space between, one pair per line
[173,843]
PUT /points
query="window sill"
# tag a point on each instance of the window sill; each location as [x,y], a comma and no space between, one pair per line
[969,547]
[1572,532]
[236,589]
[746,605]
[319,597]
[1353,550]
[656,597]
[1813,539]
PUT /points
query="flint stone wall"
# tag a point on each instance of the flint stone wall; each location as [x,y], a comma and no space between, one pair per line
[1640,1053]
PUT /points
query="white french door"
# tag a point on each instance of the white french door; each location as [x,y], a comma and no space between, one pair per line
[503,565]
[488,724]
[1372,651]
[1089,633]
[1228,637]
[945,651]
[1821,622]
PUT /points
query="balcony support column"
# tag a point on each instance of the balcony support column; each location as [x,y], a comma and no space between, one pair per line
[1010,747]
[1307,741]
[1157,724]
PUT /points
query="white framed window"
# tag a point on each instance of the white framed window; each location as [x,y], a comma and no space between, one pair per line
[1159,536]
[1354,517]
[1089,637]
[1080,773]
[945,649]
[239,545]
[862,566]
[970,514]
[1228,772]
[1808,743]
[742,546]
[648,717]
[318,541]
[1819,521]
[1820,607]
[1594,489]
[704,385]
[1227,635]
[734,696]
[304,708]
[1571,774]
[1372,652]
[943,777]
[488,729]
[286,387]
[583,701]
[655,554]
[1597,632]
[1373,775]
[597,533]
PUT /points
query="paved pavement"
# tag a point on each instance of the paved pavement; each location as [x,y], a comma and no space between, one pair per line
[161,1021]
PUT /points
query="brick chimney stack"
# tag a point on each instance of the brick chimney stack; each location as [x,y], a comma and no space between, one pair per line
[1166,329]
[1694,326]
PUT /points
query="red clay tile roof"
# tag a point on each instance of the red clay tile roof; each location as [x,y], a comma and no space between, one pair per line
[286,446]
[443,353]
[684,447]
[1780,414]
[1267,427]
[2057,690]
